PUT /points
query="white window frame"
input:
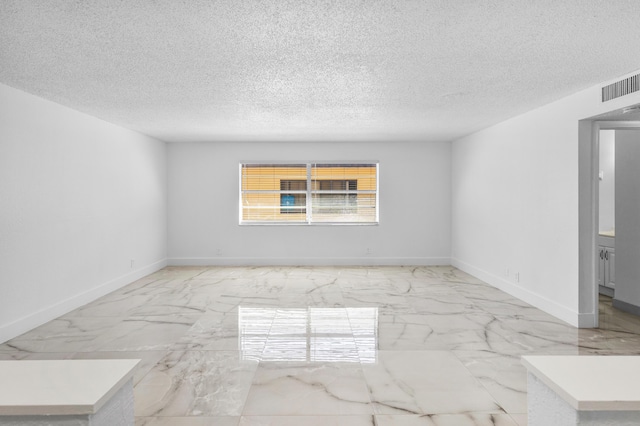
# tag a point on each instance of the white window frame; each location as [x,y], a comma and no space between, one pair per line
[309,194]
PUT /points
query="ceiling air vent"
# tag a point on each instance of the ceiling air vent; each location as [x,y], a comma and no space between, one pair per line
[621,88]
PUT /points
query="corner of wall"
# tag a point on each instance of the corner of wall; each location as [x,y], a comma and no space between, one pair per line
[552,308]
[33,320]
[308,261]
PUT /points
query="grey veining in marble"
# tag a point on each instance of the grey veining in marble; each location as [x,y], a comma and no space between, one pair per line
[281,389]
[475,419]
[307,346]
[425,382]
[195,383]
[187,421]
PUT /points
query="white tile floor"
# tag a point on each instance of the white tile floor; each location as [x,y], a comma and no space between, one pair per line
[321,346]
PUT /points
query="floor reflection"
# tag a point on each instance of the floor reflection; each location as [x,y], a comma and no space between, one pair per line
[308,334]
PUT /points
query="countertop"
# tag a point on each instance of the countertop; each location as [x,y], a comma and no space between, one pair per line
[61,387]
[590,383]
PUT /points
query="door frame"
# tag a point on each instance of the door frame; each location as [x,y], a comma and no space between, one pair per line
[589,214]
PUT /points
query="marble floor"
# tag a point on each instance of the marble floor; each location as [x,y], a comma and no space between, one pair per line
[404,346]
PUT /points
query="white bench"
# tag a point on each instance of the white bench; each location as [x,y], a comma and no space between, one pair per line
[583,390]
[67,392]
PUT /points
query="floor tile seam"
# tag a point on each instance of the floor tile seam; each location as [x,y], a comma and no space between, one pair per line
[342,415]
[55,340]
[309,415]
[359,372]
[494,396]
[480,383]
[125,318]
[376,404]
[25,355]
[511,357]
[435,413]
[508,333]
[168,351]
[134,316]
[160,358]
[190,417]
[502,331]
[159,414]
[248,391]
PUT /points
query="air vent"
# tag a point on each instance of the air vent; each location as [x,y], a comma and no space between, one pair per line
[621,88]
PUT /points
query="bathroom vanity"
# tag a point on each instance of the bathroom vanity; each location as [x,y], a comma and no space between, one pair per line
[606,262]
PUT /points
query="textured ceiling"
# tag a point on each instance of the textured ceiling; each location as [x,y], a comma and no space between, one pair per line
[196,70]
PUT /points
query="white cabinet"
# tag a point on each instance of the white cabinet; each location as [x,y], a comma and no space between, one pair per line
[607,262]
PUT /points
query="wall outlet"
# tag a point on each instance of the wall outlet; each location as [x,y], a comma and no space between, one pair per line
[517,277]
[218,252]
[133,262]
[369,251]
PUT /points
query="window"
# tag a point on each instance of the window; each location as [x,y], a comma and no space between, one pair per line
[308,193]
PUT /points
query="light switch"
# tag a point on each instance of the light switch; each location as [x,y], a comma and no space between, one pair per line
[601,175]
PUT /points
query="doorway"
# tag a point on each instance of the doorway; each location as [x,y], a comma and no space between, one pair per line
[589,212]
[606,214]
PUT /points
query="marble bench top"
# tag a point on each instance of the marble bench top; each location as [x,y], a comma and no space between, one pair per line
[590,383]
[63,387]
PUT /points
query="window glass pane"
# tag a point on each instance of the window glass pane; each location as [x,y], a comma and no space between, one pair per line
[267,207]
[262,195]
[268,176]
[362,176]
[337,193]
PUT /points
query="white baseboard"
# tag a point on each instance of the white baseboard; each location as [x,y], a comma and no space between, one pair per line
[33,320]
[626,306]
[587,320]
[540,302]
[308,261]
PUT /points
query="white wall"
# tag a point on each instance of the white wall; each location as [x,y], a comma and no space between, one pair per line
[627,220]
[608,182]
[414,207]
[79,198]
[516,190]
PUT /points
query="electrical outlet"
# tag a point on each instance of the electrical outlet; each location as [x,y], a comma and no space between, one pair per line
[132,263]
[369,251]
[219,252]
[517,277]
